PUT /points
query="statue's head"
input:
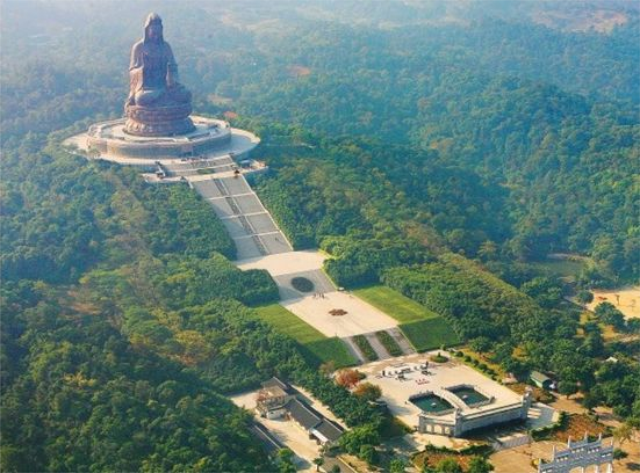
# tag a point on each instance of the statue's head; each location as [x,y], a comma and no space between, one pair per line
[153,28]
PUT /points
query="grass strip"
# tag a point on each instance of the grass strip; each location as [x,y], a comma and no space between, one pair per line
[330,349]
[288,323]
[389,343]
[363,344]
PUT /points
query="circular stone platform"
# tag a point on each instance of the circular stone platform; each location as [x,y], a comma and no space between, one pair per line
[110,141]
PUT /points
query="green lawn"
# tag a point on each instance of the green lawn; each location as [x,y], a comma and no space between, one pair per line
[394,304]
[429,334]
[389,343]
[316,347]
[329,349]
[286,322]
[425,329]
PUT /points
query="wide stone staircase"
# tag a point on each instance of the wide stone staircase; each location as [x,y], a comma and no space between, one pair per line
[249,224]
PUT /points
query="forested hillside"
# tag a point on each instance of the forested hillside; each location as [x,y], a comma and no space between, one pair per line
[118,360]
[545,145]
[433,148]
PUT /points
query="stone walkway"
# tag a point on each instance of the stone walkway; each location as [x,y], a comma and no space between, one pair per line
[378,347]
[249,224]
[353,348]
[261,245]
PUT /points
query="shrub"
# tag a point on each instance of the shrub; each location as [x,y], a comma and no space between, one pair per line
[439,358]
[302,284]
[619,454]
[368,453]
[584,297]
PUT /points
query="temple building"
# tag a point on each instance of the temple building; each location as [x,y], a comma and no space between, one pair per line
[277,400]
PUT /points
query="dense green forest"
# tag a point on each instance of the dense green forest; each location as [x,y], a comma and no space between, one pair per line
[566,162]
[125,354]
[540,114]
[435,148]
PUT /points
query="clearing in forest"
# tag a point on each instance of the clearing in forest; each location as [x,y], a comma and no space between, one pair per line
[626,300]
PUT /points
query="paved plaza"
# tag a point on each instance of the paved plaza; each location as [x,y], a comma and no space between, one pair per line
[285,263]
[284,266]
[360,317]
[321,283]
[314,307]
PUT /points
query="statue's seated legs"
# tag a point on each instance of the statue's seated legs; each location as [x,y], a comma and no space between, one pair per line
[147,97]
[179,93]
[159,112]
[150,97]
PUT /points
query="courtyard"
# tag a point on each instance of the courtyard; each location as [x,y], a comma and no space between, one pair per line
[405,377]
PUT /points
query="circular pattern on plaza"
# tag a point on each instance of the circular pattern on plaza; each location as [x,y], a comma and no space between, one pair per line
[302,284]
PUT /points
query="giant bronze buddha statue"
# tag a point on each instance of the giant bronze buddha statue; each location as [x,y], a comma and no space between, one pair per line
[158,105]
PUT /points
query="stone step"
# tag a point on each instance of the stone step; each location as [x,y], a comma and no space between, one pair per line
[189,166]
[513,442]
[238,212]
[247,248]
[221,187]
[259,244]
[233,205]
[235,195]
[195,172]
[246,225]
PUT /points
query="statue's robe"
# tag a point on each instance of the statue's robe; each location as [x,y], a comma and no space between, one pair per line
[151,71]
